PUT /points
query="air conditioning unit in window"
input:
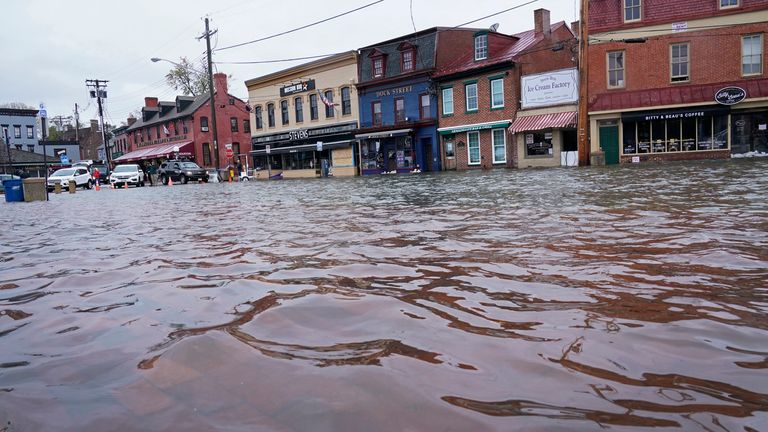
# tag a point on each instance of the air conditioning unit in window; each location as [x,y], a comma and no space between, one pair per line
[204,128]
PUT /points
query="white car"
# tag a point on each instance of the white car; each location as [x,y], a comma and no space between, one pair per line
[79,175]
[130,174]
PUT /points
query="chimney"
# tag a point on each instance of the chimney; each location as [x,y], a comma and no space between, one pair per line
[131,120]
[150,102]
[575,29]
[541,20]
[94,125]
[220,83]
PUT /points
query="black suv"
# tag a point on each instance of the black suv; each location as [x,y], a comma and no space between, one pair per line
[181,171]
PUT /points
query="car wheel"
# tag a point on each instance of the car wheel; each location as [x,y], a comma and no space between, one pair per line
[183,179]
[164,180]
[245,179]
[141,183]
[87,185]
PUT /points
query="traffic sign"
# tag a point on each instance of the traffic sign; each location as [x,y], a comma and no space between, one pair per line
[229,153]
[64,159]
[43,113]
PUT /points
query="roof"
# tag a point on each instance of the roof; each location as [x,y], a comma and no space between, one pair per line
[673,95]
[288,72]
[507,49]
[25,112]
[188,111]
[417,34]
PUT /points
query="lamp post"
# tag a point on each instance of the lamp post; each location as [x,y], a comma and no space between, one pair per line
[210,96]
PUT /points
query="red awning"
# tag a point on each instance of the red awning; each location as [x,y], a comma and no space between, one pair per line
[543,121]
[157,151]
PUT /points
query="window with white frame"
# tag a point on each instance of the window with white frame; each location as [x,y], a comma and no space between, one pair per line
[378,67]
[481,46]
[631,10]
[752,54]
[679,62]
[473,148]
[17,131]
[30,132]
[471,93]
[448,101]
[497,93]
[724,4]
[499,146]
[616,69]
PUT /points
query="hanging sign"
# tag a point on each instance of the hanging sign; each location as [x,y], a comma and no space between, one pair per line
[730,95]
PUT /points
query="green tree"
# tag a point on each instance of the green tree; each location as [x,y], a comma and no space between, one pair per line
[53,133]
[190,79]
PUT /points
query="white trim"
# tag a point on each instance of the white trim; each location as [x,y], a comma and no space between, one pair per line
[493,144]
[479,154]
[624,11]
[720,5]
[466,97]
[501,80]
[442,94]
[762,54]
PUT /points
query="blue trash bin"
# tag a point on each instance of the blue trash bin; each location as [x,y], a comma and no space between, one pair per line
[14,191]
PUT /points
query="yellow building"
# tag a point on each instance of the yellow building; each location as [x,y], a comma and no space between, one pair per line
[303,119]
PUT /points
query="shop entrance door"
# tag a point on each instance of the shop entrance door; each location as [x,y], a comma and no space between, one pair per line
[426,150]
[390,156]
[609,142]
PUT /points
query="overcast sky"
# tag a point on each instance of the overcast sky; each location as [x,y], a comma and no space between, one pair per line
[50,47]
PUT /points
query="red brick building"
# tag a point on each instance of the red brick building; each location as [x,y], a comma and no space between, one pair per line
[183,126]
[673,79]
[480,94]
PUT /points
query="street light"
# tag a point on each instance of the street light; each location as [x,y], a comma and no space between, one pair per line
[210,98]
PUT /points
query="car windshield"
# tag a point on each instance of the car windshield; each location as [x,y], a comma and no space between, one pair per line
[125,168]
[189,165]
[64,172]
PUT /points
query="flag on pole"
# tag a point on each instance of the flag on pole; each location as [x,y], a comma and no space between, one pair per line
[165,129]
[325,100]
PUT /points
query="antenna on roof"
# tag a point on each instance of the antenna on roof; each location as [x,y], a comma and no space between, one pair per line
[494,27]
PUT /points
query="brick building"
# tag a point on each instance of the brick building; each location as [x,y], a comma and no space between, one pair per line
[673,79]
[89,139]
[183,127]
[480,96]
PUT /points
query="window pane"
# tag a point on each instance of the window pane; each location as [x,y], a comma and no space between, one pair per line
[448,101]
[499,147]
[471,90]
[630,140]
[473,147]
[298,105]
[497,93]
[284,111]
[346,101]
[481,47]
[689,134]
[704,137]
[659,136]
[673,135]
[643,137]
[720,137]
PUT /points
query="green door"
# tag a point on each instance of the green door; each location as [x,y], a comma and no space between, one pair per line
[609,142]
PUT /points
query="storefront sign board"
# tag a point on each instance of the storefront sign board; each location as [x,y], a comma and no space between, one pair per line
[550,88]
[730,95]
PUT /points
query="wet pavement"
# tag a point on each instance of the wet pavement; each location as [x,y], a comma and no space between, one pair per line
[621,298]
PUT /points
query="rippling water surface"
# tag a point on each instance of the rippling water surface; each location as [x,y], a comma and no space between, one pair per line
[582,299]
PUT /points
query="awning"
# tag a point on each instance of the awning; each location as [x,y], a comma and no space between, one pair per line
[385,134]
[544,121]
[157,151]
[301,148]
[473,127]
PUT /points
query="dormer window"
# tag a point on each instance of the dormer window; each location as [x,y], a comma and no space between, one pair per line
[407,61]
[378,67]
[407,57]
[481,46]
[632,10]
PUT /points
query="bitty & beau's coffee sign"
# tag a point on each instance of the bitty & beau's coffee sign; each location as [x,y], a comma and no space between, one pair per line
[730,95]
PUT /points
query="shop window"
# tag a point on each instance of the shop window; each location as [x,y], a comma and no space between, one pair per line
[448,101]
[376,110]
[631,10]
[30,132]
[407,61]
[497,93]
[704,134]
[203,125]
[328,102]
[499,145]
[259,120]
[676,135]
[313,112]
[688,128]
[206,154]
[720,132]
[630,138]
[481,46]
[298,106]
[659,136]
[616,69]
[247,126]
[470,91]
[271,115]
[450,149]
[300,160]
[673,135]
[284,112]
[346,101]
[233,124]
[399,110]
[473,148]
[752,54]
[371,155]
[725,4]
[425,106]
[679,62]
[404,154]
[538,144]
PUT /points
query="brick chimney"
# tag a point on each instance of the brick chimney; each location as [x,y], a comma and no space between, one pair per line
[220,83]
[150,102]
[541,20]
[575,28]
[131,120]
[94,125]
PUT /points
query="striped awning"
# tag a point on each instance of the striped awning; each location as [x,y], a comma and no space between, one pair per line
[544,121]
[157,151]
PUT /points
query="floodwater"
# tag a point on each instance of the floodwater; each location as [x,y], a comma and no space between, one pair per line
[621,298]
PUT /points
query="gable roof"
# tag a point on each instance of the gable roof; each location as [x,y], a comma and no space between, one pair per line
[156,120]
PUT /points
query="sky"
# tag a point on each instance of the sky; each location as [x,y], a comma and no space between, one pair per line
[50,47]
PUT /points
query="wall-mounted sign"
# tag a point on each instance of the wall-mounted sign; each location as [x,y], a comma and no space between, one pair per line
[394,91]
[297,88]
[679,27]
[551,88]
[685,113]
[298,134]
[730,95]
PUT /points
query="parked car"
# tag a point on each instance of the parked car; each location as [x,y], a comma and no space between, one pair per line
[130,174]
[4,177]
[78,174]
[181,171]
[103,172]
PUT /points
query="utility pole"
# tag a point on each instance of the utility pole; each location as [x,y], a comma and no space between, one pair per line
[207,37]
[77,125]
[583,122]
[98,94]
[43,118]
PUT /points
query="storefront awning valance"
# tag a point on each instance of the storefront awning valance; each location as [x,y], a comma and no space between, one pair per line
[301,148]
[544,121]
[157,151]
[385,134]
[473,127]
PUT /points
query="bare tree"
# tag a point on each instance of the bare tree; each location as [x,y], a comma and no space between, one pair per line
[16,105]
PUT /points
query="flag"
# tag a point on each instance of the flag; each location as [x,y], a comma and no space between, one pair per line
[165,129]
[325,101]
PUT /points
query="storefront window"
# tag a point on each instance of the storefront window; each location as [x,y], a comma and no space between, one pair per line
[659,136]
[473,147]
[538,144]
[704,137]
[630,138]
[644,137]
[720,133]
[371,155]
[404,152]
[300,160]
[674,135]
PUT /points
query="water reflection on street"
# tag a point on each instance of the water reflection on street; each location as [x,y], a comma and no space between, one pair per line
[561,299]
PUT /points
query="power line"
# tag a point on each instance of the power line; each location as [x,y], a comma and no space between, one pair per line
[497,13]
[302,27]
[281,60]
[412,22]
